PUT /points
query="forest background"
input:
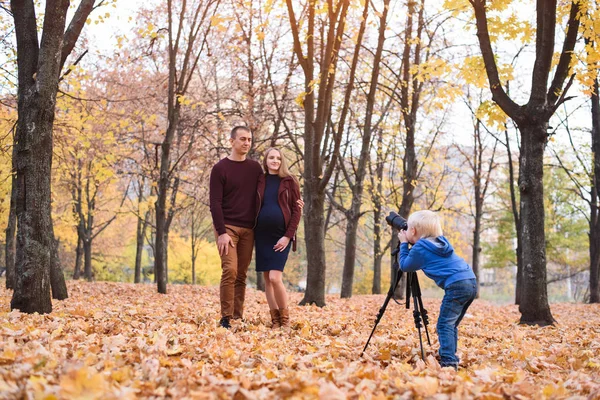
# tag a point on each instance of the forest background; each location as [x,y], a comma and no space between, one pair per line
[410,112]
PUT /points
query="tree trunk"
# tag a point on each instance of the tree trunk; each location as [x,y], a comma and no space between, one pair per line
[534,307]
[78,258]
[57,277]
[193,269]
[377,216]
[11,227]
[194,240]
[39,70]
[479,194]
[314,233]
[139,246]
[87,259]
[160,246]
[595,199]
[260,281]
[516,219]
[349,252]
[400,290]
[166,256]
[477,245]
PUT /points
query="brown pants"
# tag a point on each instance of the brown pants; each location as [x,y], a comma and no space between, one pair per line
[234,268]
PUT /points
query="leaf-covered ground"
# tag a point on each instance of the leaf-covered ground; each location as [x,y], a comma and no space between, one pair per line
[124,341]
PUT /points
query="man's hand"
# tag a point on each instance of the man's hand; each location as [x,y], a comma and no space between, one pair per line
[402,237]
[223,243]
[300,204]
[281,244]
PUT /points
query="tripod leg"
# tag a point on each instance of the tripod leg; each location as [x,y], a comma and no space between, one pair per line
[417,292]
[417,317]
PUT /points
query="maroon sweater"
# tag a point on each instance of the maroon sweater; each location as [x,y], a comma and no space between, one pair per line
[233,193]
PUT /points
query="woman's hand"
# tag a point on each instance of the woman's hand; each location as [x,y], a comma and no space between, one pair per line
[281,244]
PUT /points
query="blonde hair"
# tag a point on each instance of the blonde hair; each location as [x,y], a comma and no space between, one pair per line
[427,223]
[283,168]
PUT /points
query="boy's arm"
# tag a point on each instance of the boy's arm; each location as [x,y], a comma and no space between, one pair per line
[410,260]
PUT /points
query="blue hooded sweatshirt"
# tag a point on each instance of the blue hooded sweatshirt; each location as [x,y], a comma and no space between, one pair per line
[437,259]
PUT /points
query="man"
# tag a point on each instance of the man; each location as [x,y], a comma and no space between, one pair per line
[233,184]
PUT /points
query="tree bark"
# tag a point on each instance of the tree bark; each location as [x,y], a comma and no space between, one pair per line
[11,228]
[314,233]
[595,199]
[516,219]
[377,216]
[260,281]
[139,246]
[477,167]
[534,306]
[57,277]
[39,69]
[78,258]
[87,260]
[476,249]
[481,180]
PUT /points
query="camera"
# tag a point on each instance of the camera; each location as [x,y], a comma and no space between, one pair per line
[396,221]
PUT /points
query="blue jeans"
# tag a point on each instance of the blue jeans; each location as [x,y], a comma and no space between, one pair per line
[457,298]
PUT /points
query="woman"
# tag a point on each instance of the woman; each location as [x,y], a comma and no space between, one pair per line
[280,211]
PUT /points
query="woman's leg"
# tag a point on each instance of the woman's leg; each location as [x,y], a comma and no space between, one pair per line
[269,291]
[273,310]
[275,279]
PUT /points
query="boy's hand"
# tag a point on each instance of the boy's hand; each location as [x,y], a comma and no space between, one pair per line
[402,237]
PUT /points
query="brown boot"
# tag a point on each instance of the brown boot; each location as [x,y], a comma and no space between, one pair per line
[284,317]
[275,318]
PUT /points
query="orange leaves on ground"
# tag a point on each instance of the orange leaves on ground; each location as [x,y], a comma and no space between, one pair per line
[124,341]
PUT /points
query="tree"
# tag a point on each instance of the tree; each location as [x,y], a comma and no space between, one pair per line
[192,40]
[326,23]
[39,66]
[11,228]
[353,214]
[377,198]
[595,199]
[481,163]
[532,120]
[418,73]
[591,37]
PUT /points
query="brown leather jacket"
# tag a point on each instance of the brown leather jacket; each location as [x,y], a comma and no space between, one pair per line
[287,196]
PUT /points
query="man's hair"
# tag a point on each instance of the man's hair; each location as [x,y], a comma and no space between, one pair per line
[427,223]
[235,129]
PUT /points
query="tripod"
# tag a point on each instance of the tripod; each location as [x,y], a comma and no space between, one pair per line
[413,290]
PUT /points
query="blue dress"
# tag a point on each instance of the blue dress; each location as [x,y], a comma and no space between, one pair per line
[270,227]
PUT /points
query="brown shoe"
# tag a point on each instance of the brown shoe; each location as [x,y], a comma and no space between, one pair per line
[284,317]
[275,318]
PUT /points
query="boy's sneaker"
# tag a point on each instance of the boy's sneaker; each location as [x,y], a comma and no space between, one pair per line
[225,323]
[449,365]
